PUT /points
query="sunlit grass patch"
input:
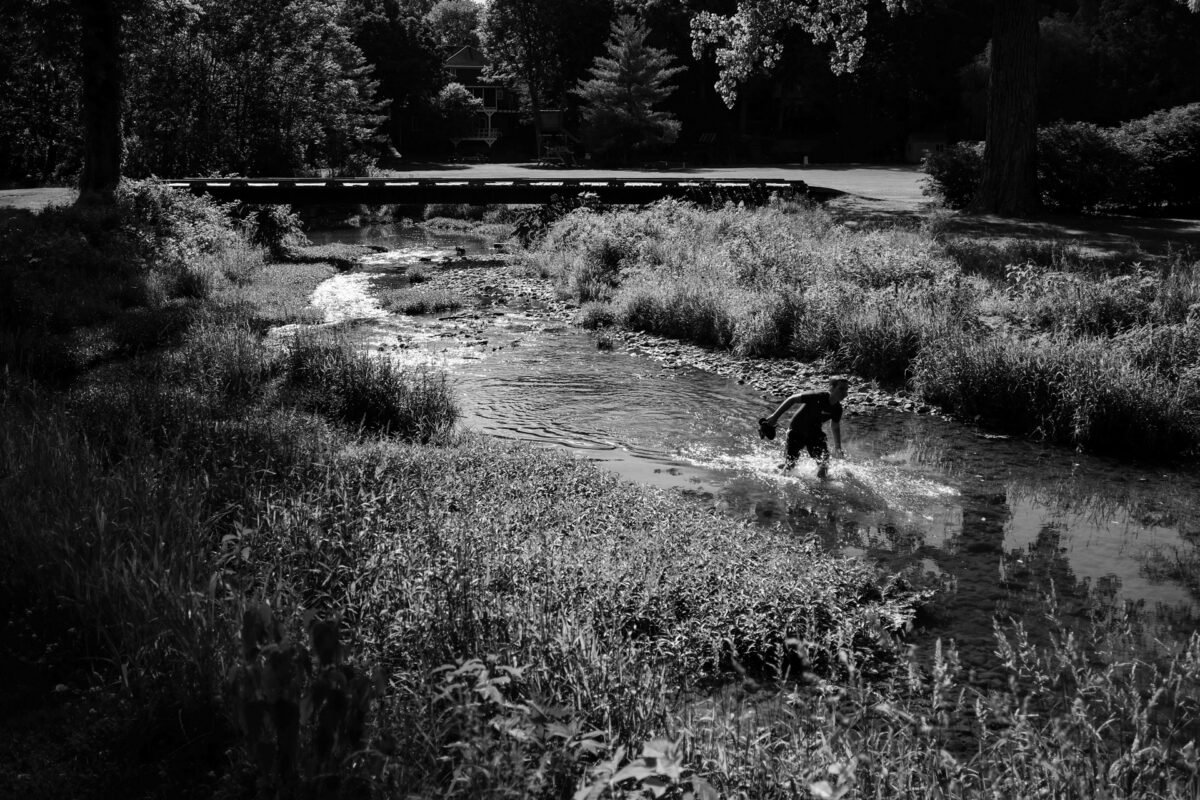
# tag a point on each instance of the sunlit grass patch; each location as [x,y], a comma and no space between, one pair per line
[278,294]
[419,301]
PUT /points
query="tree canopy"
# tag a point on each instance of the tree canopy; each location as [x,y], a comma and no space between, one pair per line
[750,39]
[174,87]
[455,23]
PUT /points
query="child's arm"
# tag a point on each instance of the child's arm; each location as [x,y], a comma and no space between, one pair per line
[836,427]
[784,406]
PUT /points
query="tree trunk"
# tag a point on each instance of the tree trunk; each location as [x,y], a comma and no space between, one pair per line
[1009,185]
[100,53]
[533,74]
[535,103]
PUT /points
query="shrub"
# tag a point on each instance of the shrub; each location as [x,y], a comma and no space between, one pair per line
[1080,392]
[173,225]
[594,314]
[461,211]
[274,227]
[1081,166]
[370,393]
[954,174]
[1145,164]
[1165,148]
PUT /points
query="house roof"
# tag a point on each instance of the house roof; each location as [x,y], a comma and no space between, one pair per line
[467,57]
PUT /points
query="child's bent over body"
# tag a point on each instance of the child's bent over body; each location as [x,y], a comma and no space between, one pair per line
[806,429]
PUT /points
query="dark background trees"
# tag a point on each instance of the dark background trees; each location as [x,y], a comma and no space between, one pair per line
[286,86]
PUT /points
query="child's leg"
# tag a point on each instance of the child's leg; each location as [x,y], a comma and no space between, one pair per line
[792,450]
[819,450]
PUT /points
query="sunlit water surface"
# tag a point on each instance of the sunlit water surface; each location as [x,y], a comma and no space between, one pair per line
[1000,520]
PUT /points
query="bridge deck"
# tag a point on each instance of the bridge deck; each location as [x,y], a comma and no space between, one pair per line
[303,191]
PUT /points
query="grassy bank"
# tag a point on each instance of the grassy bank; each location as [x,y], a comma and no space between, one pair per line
[1034,338]
[249,566]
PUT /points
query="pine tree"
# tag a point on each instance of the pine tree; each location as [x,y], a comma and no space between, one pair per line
[619,116]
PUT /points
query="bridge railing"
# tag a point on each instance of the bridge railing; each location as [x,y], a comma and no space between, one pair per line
[301,191]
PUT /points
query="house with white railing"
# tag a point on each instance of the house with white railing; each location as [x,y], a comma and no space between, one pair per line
[500,116]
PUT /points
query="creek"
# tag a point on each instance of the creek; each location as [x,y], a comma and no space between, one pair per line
[997,520]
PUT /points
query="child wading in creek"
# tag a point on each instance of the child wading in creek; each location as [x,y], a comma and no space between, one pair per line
[806,431]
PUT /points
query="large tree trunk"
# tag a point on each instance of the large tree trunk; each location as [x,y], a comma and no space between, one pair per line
[100,52]
[1009,185]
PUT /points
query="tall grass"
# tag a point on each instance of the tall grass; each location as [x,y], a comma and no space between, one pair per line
[369,393]
[1083,391]
[783,281]
[1039,338]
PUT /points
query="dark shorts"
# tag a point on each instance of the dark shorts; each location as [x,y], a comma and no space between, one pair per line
[812,441]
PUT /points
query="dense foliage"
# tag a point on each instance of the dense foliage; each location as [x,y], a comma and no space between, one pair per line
[1144,165]
[279,87]
[249,87]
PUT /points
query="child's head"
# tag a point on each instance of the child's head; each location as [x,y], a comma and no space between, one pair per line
[839,387]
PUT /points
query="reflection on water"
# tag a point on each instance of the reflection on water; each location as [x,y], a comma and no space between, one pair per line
[998,520]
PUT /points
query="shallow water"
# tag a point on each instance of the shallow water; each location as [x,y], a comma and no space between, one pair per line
[400,236]
[998,519]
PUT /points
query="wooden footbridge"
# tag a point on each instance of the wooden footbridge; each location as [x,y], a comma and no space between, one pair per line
[377,191]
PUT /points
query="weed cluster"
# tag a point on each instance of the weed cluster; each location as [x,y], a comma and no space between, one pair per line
[371,394]
[420,301]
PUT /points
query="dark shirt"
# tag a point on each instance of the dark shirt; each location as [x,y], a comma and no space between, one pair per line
[815,412]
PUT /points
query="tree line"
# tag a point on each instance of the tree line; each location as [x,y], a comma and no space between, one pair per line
[174,87]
